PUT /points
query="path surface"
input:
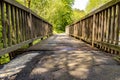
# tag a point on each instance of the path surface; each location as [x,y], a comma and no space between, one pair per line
[62,58]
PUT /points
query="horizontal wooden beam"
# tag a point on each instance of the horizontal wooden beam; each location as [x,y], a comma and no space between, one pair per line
[16,4]
[108,45]
[17,46]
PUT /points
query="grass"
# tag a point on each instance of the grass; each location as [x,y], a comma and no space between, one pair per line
[4,59]
[36,41]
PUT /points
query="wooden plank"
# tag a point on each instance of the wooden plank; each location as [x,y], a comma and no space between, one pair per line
[20,25]
[74,29]
[108,25]
[80,28]
[13,25]
[117,24]
[91,27]
[102,26]
[105,28]
[86,29]
[99,27]
[105,25]
[27,25]
[77,29]
[97,24]
[110,46]
[16,22]
[31,25]
[8,24]
[112,24]
[36,24]
[83,29]
[19,31]
[3,25]
[23,25]
[95,27]
[93,31]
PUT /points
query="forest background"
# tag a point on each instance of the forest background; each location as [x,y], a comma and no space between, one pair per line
[60,12]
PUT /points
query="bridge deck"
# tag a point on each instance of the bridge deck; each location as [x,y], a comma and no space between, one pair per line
[62,58]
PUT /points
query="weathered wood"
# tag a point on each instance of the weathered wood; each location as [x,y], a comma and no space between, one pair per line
[1,30]
[101,8]
[17,46]
[99,28]
[117,24]
[93,31]
[30,25]
[3,25]
[20,26]
[106,30]
[25,26]
[108,26]
[13,25]
[105,26]
[16,22]
[110,46]
[97,25]
[8,24]
[112,25]
[16,4]
[80,27]
[102,26]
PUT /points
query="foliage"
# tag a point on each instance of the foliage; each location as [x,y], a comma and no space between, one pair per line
[77,14]
[4,59]
[58,12]
[93,4]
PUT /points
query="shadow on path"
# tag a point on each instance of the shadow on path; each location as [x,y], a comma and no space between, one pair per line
[65,58]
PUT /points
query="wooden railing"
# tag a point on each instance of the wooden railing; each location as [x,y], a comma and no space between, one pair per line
[19,26]
[101,28]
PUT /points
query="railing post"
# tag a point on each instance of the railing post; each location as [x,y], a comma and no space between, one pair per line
[93,31]
[3,25]
[117,27]
[31,29]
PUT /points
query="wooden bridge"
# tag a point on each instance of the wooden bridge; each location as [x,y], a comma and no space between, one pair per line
[83,53]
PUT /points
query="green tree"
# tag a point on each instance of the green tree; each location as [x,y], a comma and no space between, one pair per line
[58,12]
[77,14]
[93,4]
